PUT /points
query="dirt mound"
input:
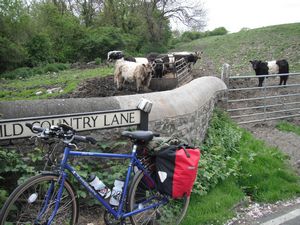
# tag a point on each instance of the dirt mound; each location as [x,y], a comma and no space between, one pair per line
[102,87]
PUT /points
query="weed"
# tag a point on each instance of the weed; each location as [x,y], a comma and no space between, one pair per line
[232,168]
[288,127]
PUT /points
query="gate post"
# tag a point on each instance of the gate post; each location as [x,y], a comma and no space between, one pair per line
[225,78]
[145,107]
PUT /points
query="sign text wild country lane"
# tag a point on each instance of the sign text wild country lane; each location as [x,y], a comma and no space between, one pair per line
[15,128]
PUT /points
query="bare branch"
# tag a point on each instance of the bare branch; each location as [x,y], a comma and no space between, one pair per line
[190,13]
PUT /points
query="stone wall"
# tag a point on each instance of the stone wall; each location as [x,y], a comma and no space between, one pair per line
[184,111]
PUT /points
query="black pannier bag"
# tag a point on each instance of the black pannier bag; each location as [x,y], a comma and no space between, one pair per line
[176,170]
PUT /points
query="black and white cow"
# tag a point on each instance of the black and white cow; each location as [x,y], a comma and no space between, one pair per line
[114,55]
[271,67]
[190,57]
[162,63]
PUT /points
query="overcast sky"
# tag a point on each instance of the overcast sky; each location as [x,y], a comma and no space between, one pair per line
[237,14]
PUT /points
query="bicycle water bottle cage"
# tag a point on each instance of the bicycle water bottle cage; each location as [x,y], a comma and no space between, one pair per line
[139,136]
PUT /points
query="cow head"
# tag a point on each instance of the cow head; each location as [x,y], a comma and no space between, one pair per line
[149,68]
[148,71]
[198,54]
[114,55]
[255,64]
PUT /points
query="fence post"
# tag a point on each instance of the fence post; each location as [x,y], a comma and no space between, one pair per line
[265,100]
[225,73]
[225,79]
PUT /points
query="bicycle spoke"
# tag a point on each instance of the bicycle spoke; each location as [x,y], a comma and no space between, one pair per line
[27,204]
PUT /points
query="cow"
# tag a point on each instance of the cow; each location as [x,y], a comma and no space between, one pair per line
[132,72]
[190,57]
[270,67]
[114,55]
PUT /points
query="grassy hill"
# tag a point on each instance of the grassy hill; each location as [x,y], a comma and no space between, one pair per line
[236,49]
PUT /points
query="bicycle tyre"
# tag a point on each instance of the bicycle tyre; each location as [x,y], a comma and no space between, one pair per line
[25,202]
[171,213]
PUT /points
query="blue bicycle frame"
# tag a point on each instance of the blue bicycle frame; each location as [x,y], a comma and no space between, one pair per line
[117,213]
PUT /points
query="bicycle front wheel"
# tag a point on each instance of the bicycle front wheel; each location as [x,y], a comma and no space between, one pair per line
[33,202]
[142,195]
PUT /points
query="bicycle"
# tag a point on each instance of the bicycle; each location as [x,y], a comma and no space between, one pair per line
[50,198]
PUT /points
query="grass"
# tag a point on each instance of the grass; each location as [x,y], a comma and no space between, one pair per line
[288,127]
[25,89]
[215,207]
[262,174]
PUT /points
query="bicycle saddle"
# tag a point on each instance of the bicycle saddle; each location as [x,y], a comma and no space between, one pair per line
[139,135]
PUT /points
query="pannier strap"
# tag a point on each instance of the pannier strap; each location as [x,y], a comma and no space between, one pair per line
[183,146]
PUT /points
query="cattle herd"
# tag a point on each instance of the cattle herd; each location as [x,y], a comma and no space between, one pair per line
[142,69]
[271,67]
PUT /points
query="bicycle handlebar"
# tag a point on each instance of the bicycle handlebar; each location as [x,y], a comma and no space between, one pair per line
[85,139]
[34,129]
[61,131]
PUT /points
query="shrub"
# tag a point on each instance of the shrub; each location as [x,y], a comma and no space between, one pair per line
[218,31]
[39,49]
[12,169]
[51,68]
[25,72]
[22,72]
[61,66]
[98,61]
[12,55]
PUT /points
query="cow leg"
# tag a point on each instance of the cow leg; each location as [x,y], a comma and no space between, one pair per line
[281,79]
[138,84]
[285,79]
[260,81]
[120,82]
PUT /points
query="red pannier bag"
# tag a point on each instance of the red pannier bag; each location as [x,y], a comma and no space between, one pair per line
[176,170]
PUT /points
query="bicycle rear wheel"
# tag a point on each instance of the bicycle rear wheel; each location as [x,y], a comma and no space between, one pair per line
[141,196]
[29,200]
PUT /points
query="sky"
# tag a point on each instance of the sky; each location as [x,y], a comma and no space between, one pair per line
[237,14]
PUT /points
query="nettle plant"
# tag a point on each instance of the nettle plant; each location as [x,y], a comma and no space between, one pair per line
[217,153]
[15,168]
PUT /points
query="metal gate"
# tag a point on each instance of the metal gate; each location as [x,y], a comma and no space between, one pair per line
[248,103]
[179,75]
[183,71]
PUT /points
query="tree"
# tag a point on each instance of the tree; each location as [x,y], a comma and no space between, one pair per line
[64,31]
[190,13]
[14,29]
[86,10]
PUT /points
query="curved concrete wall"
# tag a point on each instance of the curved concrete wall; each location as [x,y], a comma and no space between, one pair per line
[184,111]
